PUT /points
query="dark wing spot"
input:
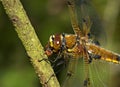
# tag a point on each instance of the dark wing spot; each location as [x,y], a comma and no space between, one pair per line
[69,3]
[118,58]
[97,57]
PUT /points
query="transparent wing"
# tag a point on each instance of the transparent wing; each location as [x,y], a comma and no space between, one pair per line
[99,74]
[73,17]
[85,10]
[100,71]
[76,75]
[104,69]
[104,74]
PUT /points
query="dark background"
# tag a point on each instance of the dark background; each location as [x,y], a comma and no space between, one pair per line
[48,17]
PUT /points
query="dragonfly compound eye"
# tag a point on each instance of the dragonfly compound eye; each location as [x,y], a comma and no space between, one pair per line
[51,39]
[55,42]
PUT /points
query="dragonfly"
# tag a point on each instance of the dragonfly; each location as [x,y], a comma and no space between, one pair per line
[72,48]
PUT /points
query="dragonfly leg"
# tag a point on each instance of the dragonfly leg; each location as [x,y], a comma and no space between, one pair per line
[59,56]
[59,63]
[44,59]
[58,66]
[59,70]
[48,80]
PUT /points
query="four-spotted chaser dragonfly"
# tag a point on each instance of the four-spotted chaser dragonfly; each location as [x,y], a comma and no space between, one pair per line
[72,48]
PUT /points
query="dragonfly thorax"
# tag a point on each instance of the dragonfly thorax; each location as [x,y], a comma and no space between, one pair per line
[70,43]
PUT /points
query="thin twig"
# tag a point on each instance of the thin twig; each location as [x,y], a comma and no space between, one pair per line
[27,35]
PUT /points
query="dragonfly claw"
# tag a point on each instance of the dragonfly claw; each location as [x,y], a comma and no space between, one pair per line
[44,59]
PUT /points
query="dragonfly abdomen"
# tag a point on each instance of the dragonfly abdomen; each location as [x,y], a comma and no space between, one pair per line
[103,53]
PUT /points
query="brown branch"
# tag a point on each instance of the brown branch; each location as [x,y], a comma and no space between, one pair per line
[33,47]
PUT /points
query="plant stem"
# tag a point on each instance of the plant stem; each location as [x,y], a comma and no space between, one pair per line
[33,47]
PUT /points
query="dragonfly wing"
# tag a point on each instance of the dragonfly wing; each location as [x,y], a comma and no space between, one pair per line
[99,74]
[104,74]
[86,68]
[75,73]
[104,67]
[73,17]
[86,11]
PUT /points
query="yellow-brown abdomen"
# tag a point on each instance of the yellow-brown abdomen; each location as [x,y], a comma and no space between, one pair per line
[105,54]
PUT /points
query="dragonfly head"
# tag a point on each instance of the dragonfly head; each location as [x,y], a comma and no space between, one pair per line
[54,44]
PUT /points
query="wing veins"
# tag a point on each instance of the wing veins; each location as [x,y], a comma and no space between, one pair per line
[73,17]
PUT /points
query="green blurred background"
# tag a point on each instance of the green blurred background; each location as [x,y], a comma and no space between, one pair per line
[48,17]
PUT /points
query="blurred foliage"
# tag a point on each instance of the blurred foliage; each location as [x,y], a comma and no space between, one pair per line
[48,17]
